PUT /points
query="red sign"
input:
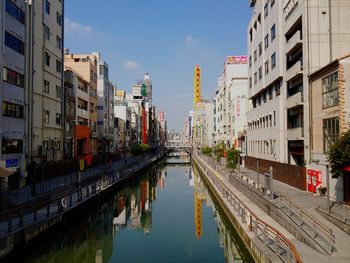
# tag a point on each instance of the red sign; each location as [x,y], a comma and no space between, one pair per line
[314,179]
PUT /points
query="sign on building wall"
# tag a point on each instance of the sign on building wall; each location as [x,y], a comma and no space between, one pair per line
[238,107]
[236,60]
[314,179]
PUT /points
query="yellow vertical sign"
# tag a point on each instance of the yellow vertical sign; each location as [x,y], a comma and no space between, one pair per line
[197,96]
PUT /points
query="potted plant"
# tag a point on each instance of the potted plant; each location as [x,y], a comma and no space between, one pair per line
[322,190]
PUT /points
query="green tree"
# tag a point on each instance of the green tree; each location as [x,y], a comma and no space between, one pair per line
[138,149]
[219,151]
[232,158]
[206,150]
[338,155]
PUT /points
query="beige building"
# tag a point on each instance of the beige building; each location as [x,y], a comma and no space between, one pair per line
[86,66]
[45,80]
[330,118]
[288,41]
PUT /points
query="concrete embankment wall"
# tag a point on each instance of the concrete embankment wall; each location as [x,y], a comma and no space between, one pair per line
[27,236]
[257,249]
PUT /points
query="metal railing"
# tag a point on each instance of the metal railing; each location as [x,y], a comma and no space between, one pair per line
[316,231]
[336,209]
[55,204]
[271,237]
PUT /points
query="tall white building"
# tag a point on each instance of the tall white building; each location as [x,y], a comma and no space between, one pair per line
[105,112]
[288,41]
[12,87]
[230,102]
[45,80]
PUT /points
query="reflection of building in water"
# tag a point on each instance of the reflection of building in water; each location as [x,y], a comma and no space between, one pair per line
[188,171]
[162,179]
[199,196]
[232,254]
[198,215]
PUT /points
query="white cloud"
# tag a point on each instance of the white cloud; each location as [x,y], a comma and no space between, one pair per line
[131,65]
[189,39]
[71,26]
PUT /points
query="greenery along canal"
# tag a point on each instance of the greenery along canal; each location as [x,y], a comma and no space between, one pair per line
[167,215]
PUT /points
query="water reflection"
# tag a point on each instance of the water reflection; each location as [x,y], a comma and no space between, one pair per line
[121,229]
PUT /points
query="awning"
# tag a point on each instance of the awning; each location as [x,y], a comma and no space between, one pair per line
[5,173]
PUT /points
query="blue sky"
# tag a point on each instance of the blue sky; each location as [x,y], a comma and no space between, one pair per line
[165,38]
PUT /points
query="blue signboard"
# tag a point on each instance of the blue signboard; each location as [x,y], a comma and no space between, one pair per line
[11,163]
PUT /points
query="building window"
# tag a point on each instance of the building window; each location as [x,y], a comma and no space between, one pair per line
[250,82]
[11,146]
[47,7]
[58,42]
[251,35]
[58,91]
[13,77]
[14,43]
[15,11]
[255,78]
[59,19]
[250,61]
[272,3]
[273,32]
[266,67]
[330,91]
[278,89]
[47,32]
[330,132]
[46,116]
[12,110]
[266,10]
[58,118]
[260,73]
[266,41]
[57,145]
[47,59]
[58,66]
[46,88]
[255,57]
[270,94]
[273,61]
[274,118]
[260,49]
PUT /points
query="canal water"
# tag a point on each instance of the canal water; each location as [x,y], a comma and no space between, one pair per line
[167,215]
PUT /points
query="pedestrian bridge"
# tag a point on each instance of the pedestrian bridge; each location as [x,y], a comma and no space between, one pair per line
[177,145]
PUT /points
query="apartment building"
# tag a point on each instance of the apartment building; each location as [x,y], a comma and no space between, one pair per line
[12,86]
[45,21]
[85,65]
[288,41]
[330,118]
[105,113]
[69,113]
[230,101]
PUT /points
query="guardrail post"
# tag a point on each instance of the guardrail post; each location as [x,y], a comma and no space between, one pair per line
[257,174]
[271,183]
[276,244]
[9,224]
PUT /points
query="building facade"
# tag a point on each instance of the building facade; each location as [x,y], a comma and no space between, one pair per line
[45,27]
[330,118]
[288,41]
[12,87]
[85,66]
[230,101]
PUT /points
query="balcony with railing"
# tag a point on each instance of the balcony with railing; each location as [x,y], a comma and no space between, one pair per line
[294,42]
